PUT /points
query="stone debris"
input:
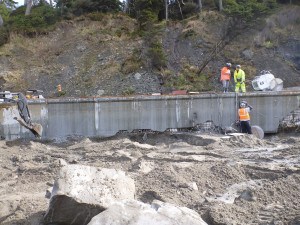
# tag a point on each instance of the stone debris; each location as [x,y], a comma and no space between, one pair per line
[80,192]
[242,190]
[133,212]
[232,180]
[143,166]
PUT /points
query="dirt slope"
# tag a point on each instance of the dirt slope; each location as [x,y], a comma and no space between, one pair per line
[107,57]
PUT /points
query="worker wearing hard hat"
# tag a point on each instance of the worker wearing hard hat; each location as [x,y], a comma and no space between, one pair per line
[244,117]
[225,77]
[239,79]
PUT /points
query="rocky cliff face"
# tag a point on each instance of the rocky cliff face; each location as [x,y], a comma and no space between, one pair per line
[92,58]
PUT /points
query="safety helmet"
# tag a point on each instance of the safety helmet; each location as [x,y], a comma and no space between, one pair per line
[228,64]
[238,66]
[243,104]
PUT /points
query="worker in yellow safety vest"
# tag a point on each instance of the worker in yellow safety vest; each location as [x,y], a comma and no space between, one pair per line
[244,117]
[225,77]
[239,79]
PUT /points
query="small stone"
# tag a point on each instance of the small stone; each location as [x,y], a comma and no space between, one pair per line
[137,76]
[193,186]
[62,162]
[81,48]
[48,193]
[100,92]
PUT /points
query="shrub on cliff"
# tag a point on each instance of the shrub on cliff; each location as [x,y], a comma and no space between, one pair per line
[248,9]
[41,20]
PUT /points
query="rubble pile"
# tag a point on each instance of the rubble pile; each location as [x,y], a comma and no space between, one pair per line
[151,178]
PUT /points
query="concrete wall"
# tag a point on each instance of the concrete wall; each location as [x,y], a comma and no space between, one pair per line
[107,116]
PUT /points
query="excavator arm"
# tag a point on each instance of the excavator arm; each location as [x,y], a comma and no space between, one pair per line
[25,119]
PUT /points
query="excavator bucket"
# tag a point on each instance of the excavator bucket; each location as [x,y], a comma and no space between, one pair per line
[37,130]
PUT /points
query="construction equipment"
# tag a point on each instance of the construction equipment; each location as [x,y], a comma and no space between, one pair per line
[234,129]
[34,94]
[258,132]
[24,113]
[266,81]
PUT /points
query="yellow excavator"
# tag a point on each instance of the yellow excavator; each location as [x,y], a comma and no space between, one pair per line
[25,119]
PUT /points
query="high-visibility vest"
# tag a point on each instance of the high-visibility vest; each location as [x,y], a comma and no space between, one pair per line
[225,73]
[243,114]
[239,76]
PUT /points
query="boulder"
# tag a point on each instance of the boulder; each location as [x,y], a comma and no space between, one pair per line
[81,192]
[248,54]
[132,212]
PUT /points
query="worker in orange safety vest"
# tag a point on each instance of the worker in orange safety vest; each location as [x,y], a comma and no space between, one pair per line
[225,77]
[244,117]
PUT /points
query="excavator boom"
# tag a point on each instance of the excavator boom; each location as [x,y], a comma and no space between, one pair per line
[24,112]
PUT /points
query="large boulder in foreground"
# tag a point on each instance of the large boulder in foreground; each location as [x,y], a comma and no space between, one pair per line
[131,212]
[81,192]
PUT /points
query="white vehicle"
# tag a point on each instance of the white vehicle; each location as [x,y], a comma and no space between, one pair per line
[5,96]
[34,94]
[266,81]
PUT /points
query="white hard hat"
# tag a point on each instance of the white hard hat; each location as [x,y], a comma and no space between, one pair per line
[243,104]
[228,64]
[238,66]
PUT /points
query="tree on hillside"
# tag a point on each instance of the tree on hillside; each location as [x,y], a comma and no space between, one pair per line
[220,5]
[289,1]
[28,7]
[137,6]
[146,11]
[30,3]
[79,7]
[247,10]
[5,7]
[41,20]
[9,3]
[199,3]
